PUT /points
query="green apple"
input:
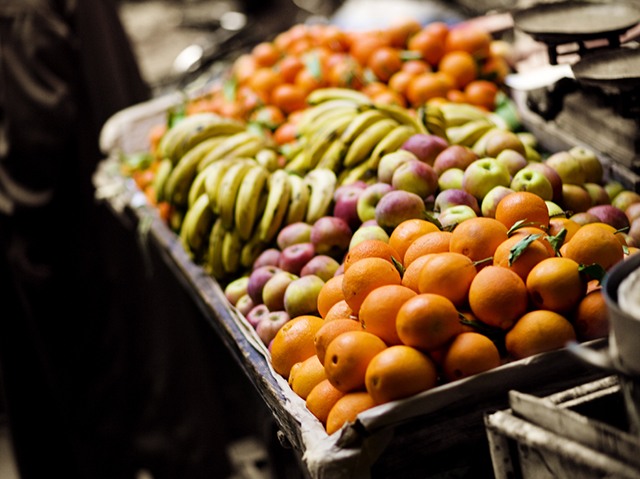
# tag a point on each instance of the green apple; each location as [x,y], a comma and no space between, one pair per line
[625,198]
[368,232]
[274,289]
[484,174]
[503,140]
[568,167]
[590,163]
[599,195]
[368,199]
[236,289]
[390,163]
[450,179]
[528,179]
[613,187]
[492,198]
[417,177]
[301,296]
[453,215]
[512,159]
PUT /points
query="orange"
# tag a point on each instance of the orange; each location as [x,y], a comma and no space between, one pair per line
[304,378]
[520,254]
[427,321]
[448,274]
[461,66]
[371,248]
[329,330]
[478,238]
[406,232]
[556,224]
[346,409]
[523,206]
[293,343]
[401,29]
[428,44]
[538,331]
[481,93]
[347,357]
[556,284]
[321,399]
[593,243]
[497,296]
[399,372]
[427,86]
[591,317]
[289,97]
[339,310]
[330,294]
[543,236]
[364,276]
[469,38]
[266,54]
[366,43]
[411,275]
[380,308]
[434,242]
[469,353]
[384,62]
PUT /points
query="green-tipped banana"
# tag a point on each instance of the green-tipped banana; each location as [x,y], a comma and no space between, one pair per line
[228,190]
[469,133]
[244,144]
[361,122]
[160,179]
[214,265]
[322,183]
[251,193]
[276,206]
[391,142]
[185,170]
[403,116]
[196,226]
[231,251]
[364,144]
[170,142]
[297,210]
[322,95]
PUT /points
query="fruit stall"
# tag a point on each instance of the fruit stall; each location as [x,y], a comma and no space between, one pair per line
[386,238]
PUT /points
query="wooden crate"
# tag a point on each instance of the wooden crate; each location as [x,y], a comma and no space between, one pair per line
[580,432]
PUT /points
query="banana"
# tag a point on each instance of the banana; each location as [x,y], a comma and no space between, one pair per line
[402,116]
[197,187]
[214,265]
[361,171]
[163,171]
[217,127]
[432,116]
[168,146]
[322,183]
[320,143]
[322,95]
[360,123]
[299,164]
[311,130]
[231,251]
[244,144]
[479,147]
[469,133]
[228,190]
[276,206]
[391,142]
[313,114]
[297,209]
[249,200]
[364,144]
[251,250]
[268,158]
[185,170]
[196,226]
[456,114]
[216,171]
[333,156]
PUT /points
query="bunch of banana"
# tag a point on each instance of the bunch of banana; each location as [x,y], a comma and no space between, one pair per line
[322,183]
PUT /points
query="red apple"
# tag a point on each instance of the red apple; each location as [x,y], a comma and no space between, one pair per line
[331,236]
[294,257]
[294,233]
[610,215]
[270,324]
[257,280]
[255,315]
[453,197]
[274,289]
[269,257]
[346,205]
[454,156]
[397,206]
[417,177]
[425,146]
[321,265]
[244,304]
[553,177]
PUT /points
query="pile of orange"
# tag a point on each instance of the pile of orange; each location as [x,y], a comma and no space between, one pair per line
[425,308]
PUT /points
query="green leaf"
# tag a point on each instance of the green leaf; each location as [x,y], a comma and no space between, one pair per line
[399,266]
[519,248]
[313,64]
[432,219]
[229,89]
[558,240]
[593,271]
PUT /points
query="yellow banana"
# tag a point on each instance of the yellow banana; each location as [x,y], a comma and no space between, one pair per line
[244,144]
[322,95]
[364,144]
[361,171]
[160,179]
[214,265]
[322,183]
[333,156]
[297,209]
[321,142]
[217,127]
[268,158]
[312,115]
[456,114]
[168,146]
[402,116]
[249,200]
[469,133]
[251,250]
[196,226]
[216,171]
[391,142]
[432,116]
[276,206]
[311,131]
[228,190]
[360,123]
[231,250]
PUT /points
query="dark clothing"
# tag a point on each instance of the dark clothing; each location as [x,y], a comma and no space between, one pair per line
[65,68]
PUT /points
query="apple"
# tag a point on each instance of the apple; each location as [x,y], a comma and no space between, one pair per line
[502,140]
[531,154]
[425,146]
[369,199]
[484,174]
[454,215]
[555,210]
[417,177]
[568,167]
[294,257]
[532,181]
[269,257]
[273,291]
[397,206]
[321,265]
[236,288]
[634,233]
[590,162]
[455,196]
[613,187]
[599,195]
[345,204]
[553,177]
[491,200]
[356,185]
[301,296]
[294,233]
[450,179]
[584,218]
[575,198]
[625,198]
[331,235]
[454,156]
[528,139]
[390,162]
[512,159]
[368,232]
[257,280]
[610,215]
[632,211]
[244,304]
[255,314]
[270,324]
